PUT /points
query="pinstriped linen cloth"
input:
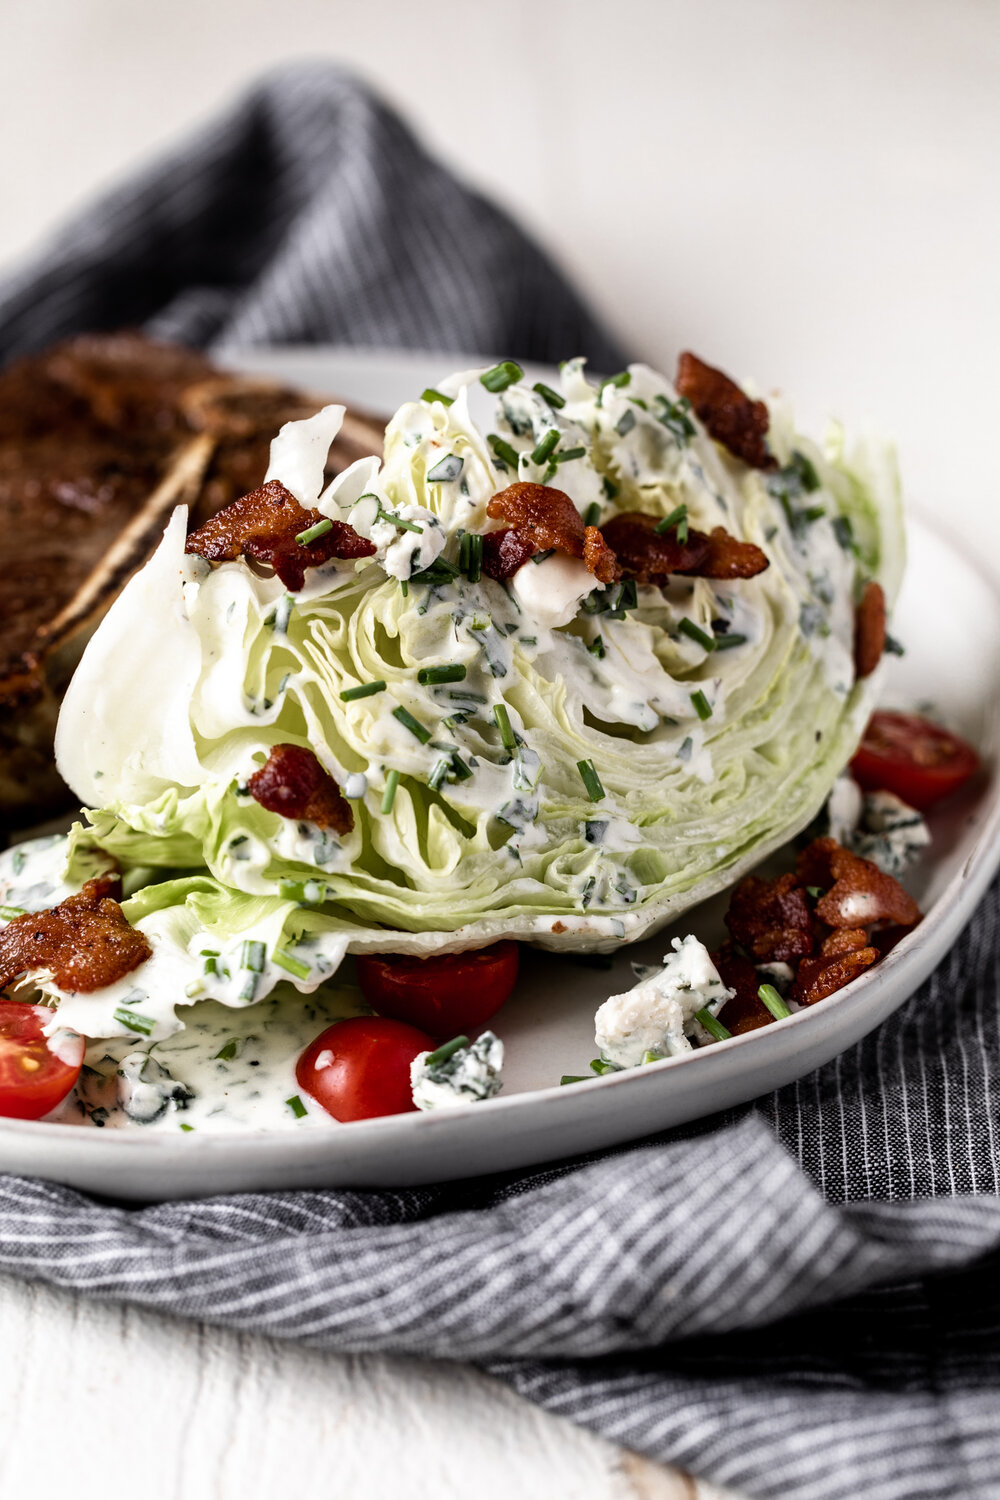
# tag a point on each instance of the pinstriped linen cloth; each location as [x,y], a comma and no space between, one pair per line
[799,1299]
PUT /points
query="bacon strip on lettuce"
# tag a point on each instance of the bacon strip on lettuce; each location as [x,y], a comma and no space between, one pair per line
[293,784]
[732,418]
[85,943]
[264,525]
[540,518]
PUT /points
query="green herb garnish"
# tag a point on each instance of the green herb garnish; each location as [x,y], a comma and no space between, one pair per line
[701,705]
[714,1028]
[291,965]
[592,514]
[446,471]
[312,532]
[132,1021]
[446,1050]
[546,392]
[363,690]
[542,450]
[430,394]
[501,376]
[502,720]
[727,641]
[678,517]
[591,780]
[413,725]
[296,1106]
[503,450]
[695,633]
[428,676]
[769,996]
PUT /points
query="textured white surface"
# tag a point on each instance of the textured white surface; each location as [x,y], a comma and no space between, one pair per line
[179,1411]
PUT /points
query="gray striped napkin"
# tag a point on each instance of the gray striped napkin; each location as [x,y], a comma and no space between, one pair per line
[799,1299]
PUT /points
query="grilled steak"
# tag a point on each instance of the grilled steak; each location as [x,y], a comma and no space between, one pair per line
[99,438]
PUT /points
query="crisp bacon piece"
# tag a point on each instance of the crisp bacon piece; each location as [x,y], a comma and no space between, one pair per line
[824,975]
[504,551]
[735,421]
[869,630]
[542,518]
[85,942]
[857,893]
[770,919]
[728,557]
[264,524]
[599,557]
[843,940]
[650,556]
[294,784]
[745,1011]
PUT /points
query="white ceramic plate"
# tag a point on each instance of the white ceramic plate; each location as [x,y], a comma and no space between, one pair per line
[949,619]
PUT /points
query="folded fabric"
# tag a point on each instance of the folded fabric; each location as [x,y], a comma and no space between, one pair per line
[308,213]
[798,1300]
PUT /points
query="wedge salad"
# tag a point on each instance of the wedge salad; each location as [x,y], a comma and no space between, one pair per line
[563,663]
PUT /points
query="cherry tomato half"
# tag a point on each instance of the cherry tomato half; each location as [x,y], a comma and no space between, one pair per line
[918,760]
[447,994]
[34,1078]
[360,1068]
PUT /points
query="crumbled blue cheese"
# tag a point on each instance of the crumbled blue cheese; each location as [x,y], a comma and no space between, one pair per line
[469,1074]
[657,1015]
[146,1090]
[407,537]
[890,833]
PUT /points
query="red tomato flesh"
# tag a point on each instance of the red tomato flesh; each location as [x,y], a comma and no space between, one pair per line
[919,761]
[360,1068]
[33,1079]
[446,995]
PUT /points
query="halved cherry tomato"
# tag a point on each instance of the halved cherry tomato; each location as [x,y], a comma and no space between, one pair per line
[34,1078]
[447,994]
[360,1068]
[918,760]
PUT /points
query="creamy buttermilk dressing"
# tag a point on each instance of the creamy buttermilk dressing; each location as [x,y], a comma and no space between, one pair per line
[549,757]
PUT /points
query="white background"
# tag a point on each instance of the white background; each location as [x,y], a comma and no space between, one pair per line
[802,190]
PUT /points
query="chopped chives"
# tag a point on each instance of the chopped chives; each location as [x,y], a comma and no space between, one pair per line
[210,965]
[413,725]
[312,532]
[542,450]
[600,1066]
[454,672]
[726,642]
[623,378]
[505,374]
[591,780]
[460,770]
[572,1078]
[651,1055]
[446,471]
[502,720]
[625,423]
[253,956]
[470,556]
[596,647]
[567,455]
[8,913]
[770,997]
[398,521]
[389,795]
[249,990]
[592,514]
[404,587]
[701,705]
[132,1021]
[714,1028]
[503,450]
[291,965]
[363,690]
[187,1127]
[439,773]
[446,1050]
[815,891]
[230,1050]
[695,633]
[546,392]
[676,516]
[610,488]
[296,1106]
[814,512]
[430,394]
